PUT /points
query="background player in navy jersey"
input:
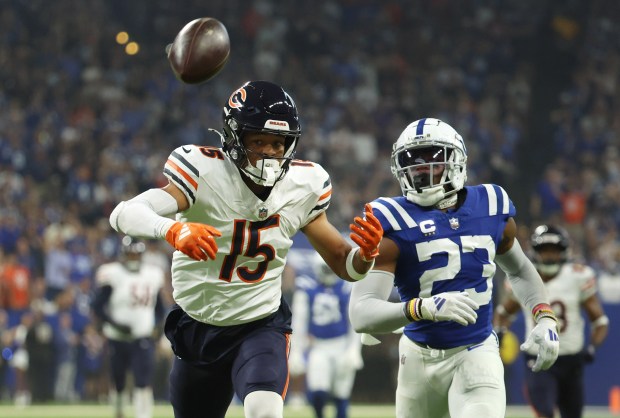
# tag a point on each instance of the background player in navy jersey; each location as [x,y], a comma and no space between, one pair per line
[237,209]
[441,244]
[322,334]
[128,303]
[571,287]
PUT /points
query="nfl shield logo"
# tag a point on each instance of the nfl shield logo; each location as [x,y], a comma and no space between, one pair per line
[262,213]
[454,223]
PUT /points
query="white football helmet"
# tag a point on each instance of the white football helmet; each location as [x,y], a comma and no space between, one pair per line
[323,273]
[429,161]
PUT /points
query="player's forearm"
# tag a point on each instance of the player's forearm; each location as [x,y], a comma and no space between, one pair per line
[144,215]
[369,309]
[526,283]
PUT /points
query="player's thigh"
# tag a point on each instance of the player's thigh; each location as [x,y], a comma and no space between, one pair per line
[120,358]
[143,361]
[423,382]
[262,363]
[342,382]
[320,370]
[570,386]
[200,391]
[478,387]
[541,389]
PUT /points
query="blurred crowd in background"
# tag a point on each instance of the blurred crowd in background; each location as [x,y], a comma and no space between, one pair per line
[532,88]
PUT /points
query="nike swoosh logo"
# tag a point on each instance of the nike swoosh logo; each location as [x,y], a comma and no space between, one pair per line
[186,150]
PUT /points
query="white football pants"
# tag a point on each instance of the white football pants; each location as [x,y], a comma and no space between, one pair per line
[457,382]
[328,369]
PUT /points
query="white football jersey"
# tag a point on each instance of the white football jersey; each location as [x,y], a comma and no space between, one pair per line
[573,284]
[244,281]
[133,299]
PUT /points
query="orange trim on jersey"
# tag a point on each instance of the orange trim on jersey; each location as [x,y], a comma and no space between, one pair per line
[326,194]
[183,173]
[302,163]
[288,375]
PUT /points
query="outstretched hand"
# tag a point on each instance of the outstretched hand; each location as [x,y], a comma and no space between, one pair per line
[194,240]
[545,336]
[367,232]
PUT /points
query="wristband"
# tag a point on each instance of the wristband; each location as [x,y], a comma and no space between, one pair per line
[543,310]
[412,309]
[600,321]
[351,270]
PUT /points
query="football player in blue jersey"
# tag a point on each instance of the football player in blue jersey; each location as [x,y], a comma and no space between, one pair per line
[236,210]
[442,242]
[322,334]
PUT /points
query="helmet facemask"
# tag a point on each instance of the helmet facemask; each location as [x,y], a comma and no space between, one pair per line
[267,170]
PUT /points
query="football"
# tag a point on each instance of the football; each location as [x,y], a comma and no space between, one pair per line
[199,51]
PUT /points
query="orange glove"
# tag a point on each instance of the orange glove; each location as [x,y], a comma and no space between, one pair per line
[193,239]
[367,233]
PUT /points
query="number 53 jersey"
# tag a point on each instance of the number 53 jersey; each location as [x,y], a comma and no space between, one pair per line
[449,251]
[244,281]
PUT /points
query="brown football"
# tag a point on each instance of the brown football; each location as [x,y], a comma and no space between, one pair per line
[199,51]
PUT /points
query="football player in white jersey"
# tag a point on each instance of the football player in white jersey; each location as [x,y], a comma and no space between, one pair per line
[128,303]
[572,288]
[237,209]
[442,242]
[323,335]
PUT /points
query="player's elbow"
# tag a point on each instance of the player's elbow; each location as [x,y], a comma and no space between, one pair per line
[116,215]
[356,310]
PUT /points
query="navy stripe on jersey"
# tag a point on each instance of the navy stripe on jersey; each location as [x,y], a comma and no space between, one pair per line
[420,128]
[185,163]
[180,183]
[319,207]
[394,213]
[325,196]
[499,203]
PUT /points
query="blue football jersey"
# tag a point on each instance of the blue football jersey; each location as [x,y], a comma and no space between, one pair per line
[449,251]
[328,307]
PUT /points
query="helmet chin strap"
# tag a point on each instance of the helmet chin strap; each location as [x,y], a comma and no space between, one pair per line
[548,269]
[266,172]
[433,196]
[426,197]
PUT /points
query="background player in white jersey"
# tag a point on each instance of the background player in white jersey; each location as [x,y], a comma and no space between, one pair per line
[128,302]
[237,209]
[325,337]
[571,288]
[441,245]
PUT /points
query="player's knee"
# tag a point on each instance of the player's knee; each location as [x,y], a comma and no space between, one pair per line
[263,404]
